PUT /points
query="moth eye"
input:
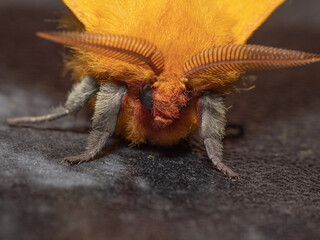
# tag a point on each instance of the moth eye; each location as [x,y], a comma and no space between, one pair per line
[145,96]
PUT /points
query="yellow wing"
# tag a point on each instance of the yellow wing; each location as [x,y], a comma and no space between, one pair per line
[241,17]
[248,15]
[178,28]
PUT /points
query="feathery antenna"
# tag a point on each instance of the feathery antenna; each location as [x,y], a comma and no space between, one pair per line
[125,48]
[245,58]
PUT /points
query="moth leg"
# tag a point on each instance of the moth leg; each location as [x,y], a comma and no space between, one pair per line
[104,121]
[212,130]
[80,94]
[58,112]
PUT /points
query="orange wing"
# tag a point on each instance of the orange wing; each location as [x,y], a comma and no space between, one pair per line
[248,15]
[240,17]
[180,29]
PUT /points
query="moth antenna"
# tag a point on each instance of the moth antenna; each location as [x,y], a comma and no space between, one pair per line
[125,48]
[245,58]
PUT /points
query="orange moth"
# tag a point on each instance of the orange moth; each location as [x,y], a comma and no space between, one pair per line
[159,69]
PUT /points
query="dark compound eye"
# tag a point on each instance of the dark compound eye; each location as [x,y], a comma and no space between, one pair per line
[145,96]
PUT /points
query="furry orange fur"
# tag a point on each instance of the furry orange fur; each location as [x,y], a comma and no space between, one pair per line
[179,29]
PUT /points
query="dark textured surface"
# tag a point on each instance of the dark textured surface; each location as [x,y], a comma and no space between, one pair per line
[150,193]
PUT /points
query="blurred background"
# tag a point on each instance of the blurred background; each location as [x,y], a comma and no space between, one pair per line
[151,193]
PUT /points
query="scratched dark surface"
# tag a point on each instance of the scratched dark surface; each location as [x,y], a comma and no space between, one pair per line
[150,193]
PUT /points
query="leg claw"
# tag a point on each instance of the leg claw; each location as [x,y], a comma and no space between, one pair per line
[226,171]
[234,178]
[78,159]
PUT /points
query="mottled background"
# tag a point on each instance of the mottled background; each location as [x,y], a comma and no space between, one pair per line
[151,193]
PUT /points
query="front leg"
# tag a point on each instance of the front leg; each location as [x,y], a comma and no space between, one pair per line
[104,121]
[212,130]
[80,94]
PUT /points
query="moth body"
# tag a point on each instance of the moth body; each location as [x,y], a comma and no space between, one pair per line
[160,69]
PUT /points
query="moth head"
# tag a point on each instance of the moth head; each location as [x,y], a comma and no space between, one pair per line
[166,98]
[170,98]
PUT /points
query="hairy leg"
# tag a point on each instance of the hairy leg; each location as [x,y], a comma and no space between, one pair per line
[212,130]
[104,121]
[80,94]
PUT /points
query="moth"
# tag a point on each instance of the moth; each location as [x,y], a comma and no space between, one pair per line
[159,70]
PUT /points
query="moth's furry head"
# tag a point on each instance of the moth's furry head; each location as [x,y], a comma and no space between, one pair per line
[169,98]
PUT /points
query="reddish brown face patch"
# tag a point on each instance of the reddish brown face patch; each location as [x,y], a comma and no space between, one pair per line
[168,97]
[162,122]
